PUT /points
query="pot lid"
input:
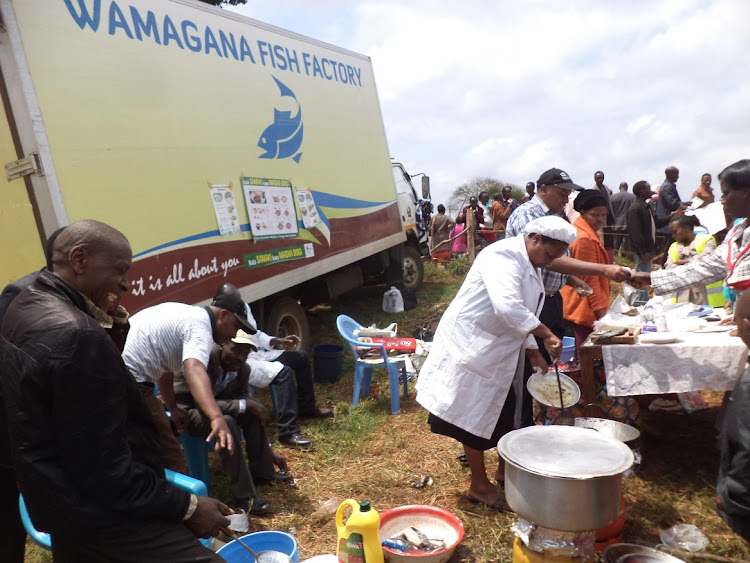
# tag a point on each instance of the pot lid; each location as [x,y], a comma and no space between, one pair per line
[565,451]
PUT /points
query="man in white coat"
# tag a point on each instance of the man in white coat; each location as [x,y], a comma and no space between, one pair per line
[472,381]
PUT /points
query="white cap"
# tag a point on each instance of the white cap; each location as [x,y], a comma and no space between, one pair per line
[553,227]
[243,338]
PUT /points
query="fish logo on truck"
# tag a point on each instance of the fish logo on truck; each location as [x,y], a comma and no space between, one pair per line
[283,137]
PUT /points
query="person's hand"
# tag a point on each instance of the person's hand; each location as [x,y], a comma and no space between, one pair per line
[180,418]
[279,461]
[209,518]
[536,359]
[553,345]
[640,280]
[727,321]
[616,273]
[290,342]
[258,411]
[220,431]
[680,210]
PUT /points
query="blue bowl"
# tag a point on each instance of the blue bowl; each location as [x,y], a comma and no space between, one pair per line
[273,540]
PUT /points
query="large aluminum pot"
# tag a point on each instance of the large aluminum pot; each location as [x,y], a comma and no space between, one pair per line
[564,477]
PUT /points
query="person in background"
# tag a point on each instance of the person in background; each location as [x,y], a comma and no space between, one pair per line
[229,374]
[501,209]
[484,200]
[440,228]
[667,203]
[705,191]
[621,202]
[730,259]
[530,189]
[642,227]
[85,448]
[276,363]
[687,246]
[733,483]
[583,310]
[168,337]
[606,193]
[472,381]
[459,244]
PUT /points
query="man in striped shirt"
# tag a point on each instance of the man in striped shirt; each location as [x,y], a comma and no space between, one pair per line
[170,337]
[553,189]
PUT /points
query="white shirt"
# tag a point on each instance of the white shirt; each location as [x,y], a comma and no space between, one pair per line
[481,337]
[263,368]
[162,337]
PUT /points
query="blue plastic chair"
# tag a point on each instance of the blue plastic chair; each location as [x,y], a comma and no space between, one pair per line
[363,368]
[179,480]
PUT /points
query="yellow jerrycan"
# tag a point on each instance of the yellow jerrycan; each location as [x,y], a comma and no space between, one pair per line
[359,538]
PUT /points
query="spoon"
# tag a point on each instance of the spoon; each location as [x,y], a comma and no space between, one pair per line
[564,417]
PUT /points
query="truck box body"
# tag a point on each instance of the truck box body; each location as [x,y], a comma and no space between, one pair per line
[225,149]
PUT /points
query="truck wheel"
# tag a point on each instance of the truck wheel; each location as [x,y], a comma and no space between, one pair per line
[413,268]
[287,317]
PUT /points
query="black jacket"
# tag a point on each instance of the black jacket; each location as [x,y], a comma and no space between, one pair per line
[639,227]
[83,442]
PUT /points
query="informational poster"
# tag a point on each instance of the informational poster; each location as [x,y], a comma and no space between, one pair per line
[225,208]
[270,207]
[310,216]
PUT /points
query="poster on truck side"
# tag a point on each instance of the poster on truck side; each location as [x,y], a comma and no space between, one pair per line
[270,207]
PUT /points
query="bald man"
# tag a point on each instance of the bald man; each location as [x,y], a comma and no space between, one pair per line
[84,446]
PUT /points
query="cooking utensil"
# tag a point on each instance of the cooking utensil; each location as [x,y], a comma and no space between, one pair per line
[617,430]
[563,477]
[564,416]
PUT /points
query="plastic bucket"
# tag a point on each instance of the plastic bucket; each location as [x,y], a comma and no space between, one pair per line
[272,540]
[327,362]
[568,349]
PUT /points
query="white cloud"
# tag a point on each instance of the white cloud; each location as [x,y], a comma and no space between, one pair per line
[508,89]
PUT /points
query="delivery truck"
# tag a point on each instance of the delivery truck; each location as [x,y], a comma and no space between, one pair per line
[224,148]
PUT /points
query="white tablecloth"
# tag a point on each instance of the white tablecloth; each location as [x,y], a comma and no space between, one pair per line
[697,362]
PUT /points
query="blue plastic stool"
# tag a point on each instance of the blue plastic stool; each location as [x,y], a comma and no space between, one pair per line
[179,480]
[196,452]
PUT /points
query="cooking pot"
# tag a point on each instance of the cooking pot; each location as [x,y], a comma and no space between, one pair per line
[564,477]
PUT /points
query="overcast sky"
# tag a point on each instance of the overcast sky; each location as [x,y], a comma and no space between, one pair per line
[508,89]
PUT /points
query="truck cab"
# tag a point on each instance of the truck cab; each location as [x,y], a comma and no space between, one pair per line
[415,217]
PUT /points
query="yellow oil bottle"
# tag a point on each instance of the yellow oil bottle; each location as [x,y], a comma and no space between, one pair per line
[358,538]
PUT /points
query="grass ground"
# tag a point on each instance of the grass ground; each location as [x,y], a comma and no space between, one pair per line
[368,454]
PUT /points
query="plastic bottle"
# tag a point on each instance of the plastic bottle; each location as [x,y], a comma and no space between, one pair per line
[359,538]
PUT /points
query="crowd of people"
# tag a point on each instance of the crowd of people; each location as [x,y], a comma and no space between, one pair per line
[556,266]
[84,387]
[84,393]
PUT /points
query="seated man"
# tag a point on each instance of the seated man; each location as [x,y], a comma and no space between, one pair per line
[168,337]
[83,441]
[228,374]
[289,372]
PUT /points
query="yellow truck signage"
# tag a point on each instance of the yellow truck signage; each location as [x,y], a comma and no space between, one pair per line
[224,148]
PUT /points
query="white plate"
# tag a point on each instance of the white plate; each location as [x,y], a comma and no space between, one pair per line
[717,328]
[657,338]
[543,387]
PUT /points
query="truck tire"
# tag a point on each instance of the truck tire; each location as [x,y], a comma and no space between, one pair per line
[288,317]
[413,268]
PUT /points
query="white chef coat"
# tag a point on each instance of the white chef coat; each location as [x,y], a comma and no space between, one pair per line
[480,340]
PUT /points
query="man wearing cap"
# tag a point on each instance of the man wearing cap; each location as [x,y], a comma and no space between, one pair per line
[166,338]
[553,189]
[229,374]
[290,374]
